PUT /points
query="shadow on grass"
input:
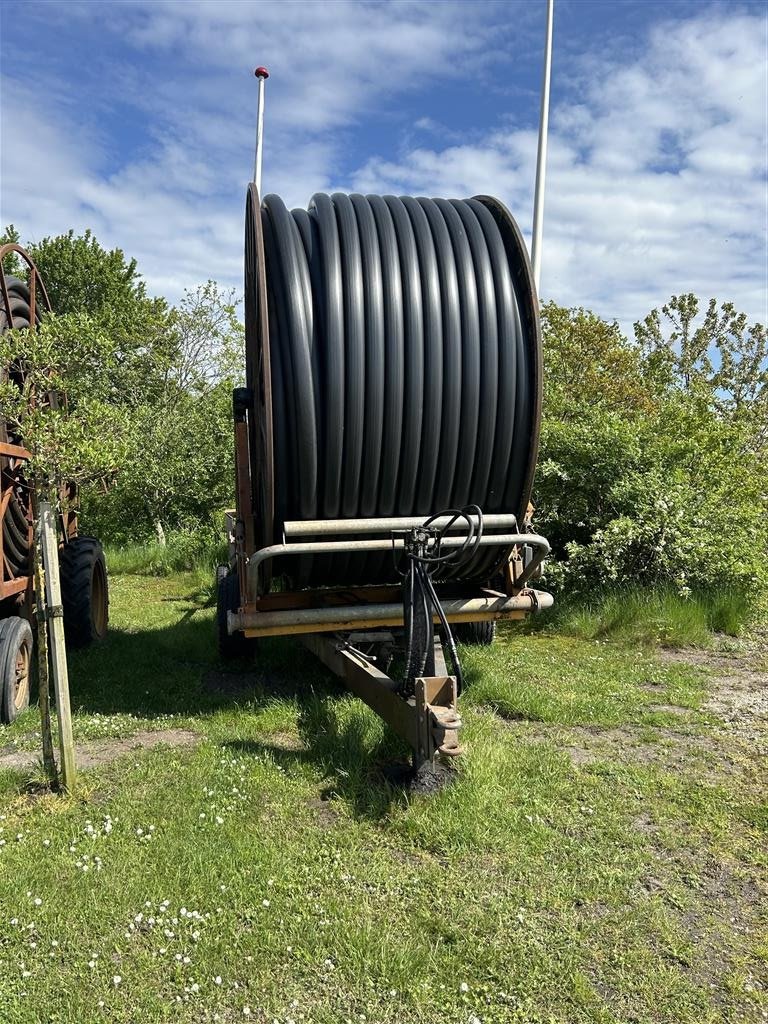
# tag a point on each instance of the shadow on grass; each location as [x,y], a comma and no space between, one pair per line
[176,670]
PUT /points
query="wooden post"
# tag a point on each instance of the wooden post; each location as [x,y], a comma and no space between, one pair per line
[41,629]
[58,647]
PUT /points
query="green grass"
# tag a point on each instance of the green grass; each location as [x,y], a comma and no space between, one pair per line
[273,867]
[653,617]
[181,553]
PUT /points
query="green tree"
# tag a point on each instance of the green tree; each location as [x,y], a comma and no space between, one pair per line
[720,354]
[167,372]
[12,264]
[180,471]
[650,467]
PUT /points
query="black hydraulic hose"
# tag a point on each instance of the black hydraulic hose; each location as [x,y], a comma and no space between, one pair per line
[404,346]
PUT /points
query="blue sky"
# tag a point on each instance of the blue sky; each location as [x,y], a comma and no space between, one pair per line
[137,119]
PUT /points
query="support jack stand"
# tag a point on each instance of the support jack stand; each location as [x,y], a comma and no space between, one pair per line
[427,720]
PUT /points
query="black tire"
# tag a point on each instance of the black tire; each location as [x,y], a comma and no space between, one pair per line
[477,633]
[84,591]
[16,647]
[228,600]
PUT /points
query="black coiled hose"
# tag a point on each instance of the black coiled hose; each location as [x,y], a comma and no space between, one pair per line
[15,526]
[396,367]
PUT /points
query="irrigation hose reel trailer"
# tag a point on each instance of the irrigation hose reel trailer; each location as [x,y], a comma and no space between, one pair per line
[85,598]
[385,443]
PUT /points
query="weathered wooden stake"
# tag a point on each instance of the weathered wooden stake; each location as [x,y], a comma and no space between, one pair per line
[41,623]
[55,615]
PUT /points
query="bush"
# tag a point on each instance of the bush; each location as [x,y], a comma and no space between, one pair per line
[645,480]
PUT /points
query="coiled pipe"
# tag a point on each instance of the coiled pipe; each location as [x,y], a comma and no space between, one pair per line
[393,352]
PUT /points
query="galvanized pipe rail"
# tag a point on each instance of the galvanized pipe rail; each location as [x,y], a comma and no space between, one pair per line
[322,527]
[393,543]
[349,617]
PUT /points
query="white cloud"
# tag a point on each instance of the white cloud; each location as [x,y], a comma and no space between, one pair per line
[656,176]
[177,205]
[656,180]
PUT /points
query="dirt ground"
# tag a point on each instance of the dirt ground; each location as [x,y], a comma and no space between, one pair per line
[97,752]
[738,701]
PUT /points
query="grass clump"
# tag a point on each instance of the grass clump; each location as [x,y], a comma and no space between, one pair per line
[183,551]
[653,617]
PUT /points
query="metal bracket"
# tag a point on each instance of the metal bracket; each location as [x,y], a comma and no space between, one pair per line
[428,721]
[437,717]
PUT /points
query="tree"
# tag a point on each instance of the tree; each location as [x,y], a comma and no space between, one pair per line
[723,357]
[180,471]
[166,371]
[56,399]
[586,361]
[650,470]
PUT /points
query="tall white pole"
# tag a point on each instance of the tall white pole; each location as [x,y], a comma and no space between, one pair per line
[541,160]
[262,74]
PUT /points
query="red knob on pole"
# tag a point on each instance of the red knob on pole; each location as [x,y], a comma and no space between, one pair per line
[261,73]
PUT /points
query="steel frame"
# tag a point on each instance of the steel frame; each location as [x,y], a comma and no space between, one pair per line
[330,622]
[333,623]
[15,454]
[428,720]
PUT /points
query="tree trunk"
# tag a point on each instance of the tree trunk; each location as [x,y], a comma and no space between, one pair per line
[160,533]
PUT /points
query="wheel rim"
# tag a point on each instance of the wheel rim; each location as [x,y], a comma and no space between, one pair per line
[99,600]
[21,680]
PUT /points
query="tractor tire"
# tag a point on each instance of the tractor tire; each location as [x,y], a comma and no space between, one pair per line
[228,600]
[480,634]
[84,591]
[16,646]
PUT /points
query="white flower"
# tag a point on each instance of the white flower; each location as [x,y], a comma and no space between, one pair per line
[265,903]
[217,980]
[246,1011]
[116,980]
[464,986]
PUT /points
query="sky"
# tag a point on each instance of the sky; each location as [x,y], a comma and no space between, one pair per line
[137,119]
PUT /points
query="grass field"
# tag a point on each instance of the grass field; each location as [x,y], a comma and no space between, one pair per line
[600,856]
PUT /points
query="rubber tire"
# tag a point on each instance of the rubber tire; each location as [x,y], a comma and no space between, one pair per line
[84,591]
[228,600]
[14,633]
[478,634]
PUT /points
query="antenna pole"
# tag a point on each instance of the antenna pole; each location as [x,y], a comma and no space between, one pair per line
[262,74]
[541,160]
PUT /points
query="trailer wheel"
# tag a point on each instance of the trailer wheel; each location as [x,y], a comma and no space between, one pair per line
[84,591]
[228,600]
[476,633]
[16,647]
